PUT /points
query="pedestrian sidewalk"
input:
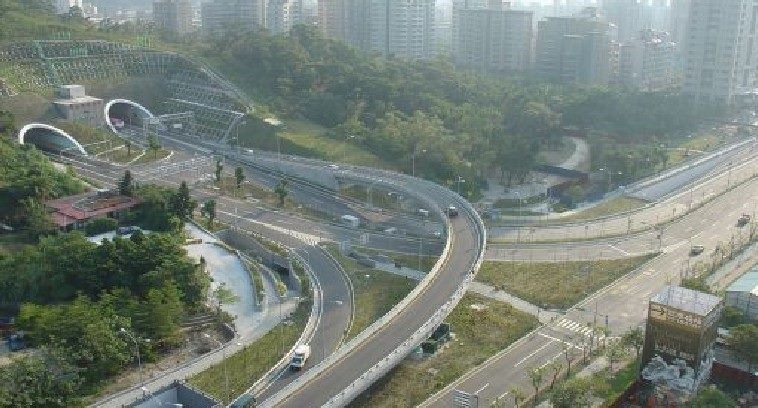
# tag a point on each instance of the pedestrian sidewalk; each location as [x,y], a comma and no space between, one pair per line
[544,316]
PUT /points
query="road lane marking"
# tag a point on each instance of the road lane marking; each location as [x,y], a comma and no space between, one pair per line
[532,353]
[560,341]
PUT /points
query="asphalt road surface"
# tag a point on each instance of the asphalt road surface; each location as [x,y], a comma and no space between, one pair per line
[624,303]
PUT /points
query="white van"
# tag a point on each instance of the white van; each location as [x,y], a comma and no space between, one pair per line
[350,221]
[300,356]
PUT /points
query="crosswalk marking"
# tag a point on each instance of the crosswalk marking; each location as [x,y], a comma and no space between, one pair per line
[577,327]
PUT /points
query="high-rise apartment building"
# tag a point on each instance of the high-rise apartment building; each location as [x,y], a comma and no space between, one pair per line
[173,15]
[626,15]
[493,38]
[573,49]
[64,6]
[282,15]
[679,15]
[401,28]
[649,62]
[720,55]
[220,16]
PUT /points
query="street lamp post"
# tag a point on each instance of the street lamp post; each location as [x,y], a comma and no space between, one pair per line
[413,159]
[458,182]
[223,354]
[139,358]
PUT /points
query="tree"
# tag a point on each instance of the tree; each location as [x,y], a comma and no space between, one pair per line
[164,311]
[85,330]
[614,354]
[219,170]
[281,191]
[743,339]
[153,144]
[182,203]
[38,221]
[518,396]
[555,368]
[711,397]
[224,296]
[209,211]
[568,354]
[239,176]
[634,338]
[572,393]
[43,379]
[536,375]
[126,184]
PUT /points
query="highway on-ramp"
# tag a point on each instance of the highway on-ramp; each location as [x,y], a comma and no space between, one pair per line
[465,249]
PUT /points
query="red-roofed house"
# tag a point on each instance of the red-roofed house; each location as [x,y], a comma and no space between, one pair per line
[73,212]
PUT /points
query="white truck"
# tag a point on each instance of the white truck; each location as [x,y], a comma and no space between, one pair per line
[300,356]
[350,221]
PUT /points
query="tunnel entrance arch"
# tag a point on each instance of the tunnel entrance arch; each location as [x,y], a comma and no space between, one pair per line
[123,112]
[50,139]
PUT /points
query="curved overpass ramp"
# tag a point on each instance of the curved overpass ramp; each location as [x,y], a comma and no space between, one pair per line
[357,364]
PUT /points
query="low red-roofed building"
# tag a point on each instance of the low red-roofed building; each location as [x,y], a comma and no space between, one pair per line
[73,212]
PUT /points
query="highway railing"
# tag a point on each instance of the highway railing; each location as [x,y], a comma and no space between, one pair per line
[317,308]
[384,365]
[381,368]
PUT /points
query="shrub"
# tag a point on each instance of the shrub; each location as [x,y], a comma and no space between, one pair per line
[100,225]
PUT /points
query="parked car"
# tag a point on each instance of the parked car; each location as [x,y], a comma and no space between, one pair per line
[127,230]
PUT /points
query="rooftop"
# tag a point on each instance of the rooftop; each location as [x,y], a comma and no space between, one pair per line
[746,283]
[68,210]
[688,300]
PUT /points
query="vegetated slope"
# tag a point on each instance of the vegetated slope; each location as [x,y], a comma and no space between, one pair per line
[451,121]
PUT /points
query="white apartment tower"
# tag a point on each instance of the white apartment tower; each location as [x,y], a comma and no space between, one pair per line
[401,28]
[649,62]
[573,49]
[720,56]
[219,16]
[282,15]
[493,38]
[173,15]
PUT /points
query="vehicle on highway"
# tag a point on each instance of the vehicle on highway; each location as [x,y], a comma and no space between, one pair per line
[452,211]
[696,250]
[300,356]
[350,221]
[743,220]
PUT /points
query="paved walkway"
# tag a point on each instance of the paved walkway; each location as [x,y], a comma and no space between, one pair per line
[577,161]
[545,316]
[729,272]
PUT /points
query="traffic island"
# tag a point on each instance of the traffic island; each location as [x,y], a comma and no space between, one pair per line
[480,328]
[556,285]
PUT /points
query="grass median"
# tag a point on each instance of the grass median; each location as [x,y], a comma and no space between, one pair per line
[608,207]
[242,369]
[407,260]
[556,285]
[375,292]
[479,333]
